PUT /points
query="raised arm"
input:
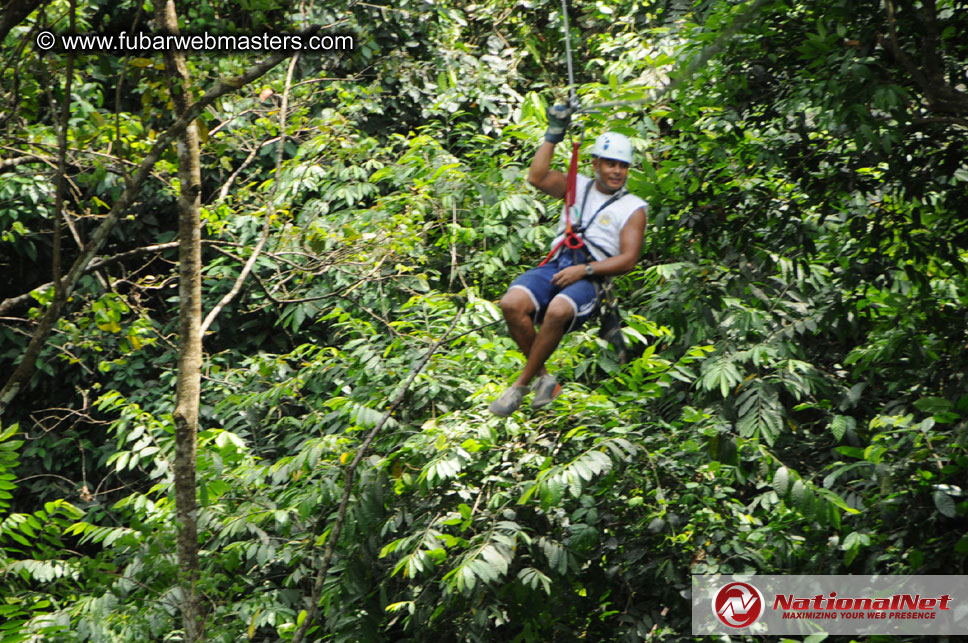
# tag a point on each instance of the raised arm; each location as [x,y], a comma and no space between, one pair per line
[541,176]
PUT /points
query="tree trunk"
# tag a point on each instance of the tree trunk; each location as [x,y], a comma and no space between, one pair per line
[188,390]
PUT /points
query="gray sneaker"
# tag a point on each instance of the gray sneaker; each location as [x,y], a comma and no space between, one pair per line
[509,401]
[546,388]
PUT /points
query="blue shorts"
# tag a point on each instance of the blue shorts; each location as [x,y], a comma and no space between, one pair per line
[582,295]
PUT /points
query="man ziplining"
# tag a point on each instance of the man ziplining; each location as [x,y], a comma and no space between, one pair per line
[601,237]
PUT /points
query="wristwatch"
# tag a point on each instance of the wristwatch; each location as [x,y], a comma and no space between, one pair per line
[589,270]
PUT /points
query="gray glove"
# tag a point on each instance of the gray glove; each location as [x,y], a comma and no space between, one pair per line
[559,116]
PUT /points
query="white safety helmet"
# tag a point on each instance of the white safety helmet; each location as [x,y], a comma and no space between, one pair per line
[615,146]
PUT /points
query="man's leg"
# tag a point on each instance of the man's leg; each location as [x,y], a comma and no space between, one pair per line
[519,305]
[556,322]
[518,309]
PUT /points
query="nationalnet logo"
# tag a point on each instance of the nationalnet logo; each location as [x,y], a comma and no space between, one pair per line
[738,604]
[865,605]
[832,606]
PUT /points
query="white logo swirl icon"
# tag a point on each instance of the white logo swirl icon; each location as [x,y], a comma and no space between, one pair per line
[46,40]
[738,604]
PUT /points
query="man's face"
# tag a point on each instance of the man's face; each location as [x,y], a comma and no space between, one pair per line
[610,174]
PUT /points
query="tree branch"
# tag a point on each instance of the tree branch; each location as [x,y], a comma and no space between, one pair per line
[8,164]
[947,120]
[224,190]
[270,208]
[62,166]
[13,302]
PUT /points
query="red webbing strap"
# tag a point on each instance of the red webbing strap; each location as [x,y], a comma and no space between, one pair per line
[571,240]
[572,181]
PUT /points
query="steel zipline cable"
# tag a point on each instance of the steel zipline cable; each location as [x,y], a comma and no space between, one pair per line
[571,69]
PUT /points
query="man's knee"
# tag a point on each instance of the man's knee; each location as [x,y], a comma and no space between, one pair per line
[516,303]
[560,312]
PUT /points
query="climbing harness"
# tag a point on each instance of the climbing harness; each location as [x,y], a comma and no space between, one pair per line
[610,327]
[571,239]
[574,237]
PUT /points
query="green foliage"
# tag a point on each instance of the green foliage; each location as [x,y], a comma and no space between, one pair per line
[36,577]
[8,462]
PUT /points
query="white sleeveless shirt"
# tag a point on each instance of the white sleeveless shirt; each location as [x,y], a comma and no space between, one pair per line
[604,234]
